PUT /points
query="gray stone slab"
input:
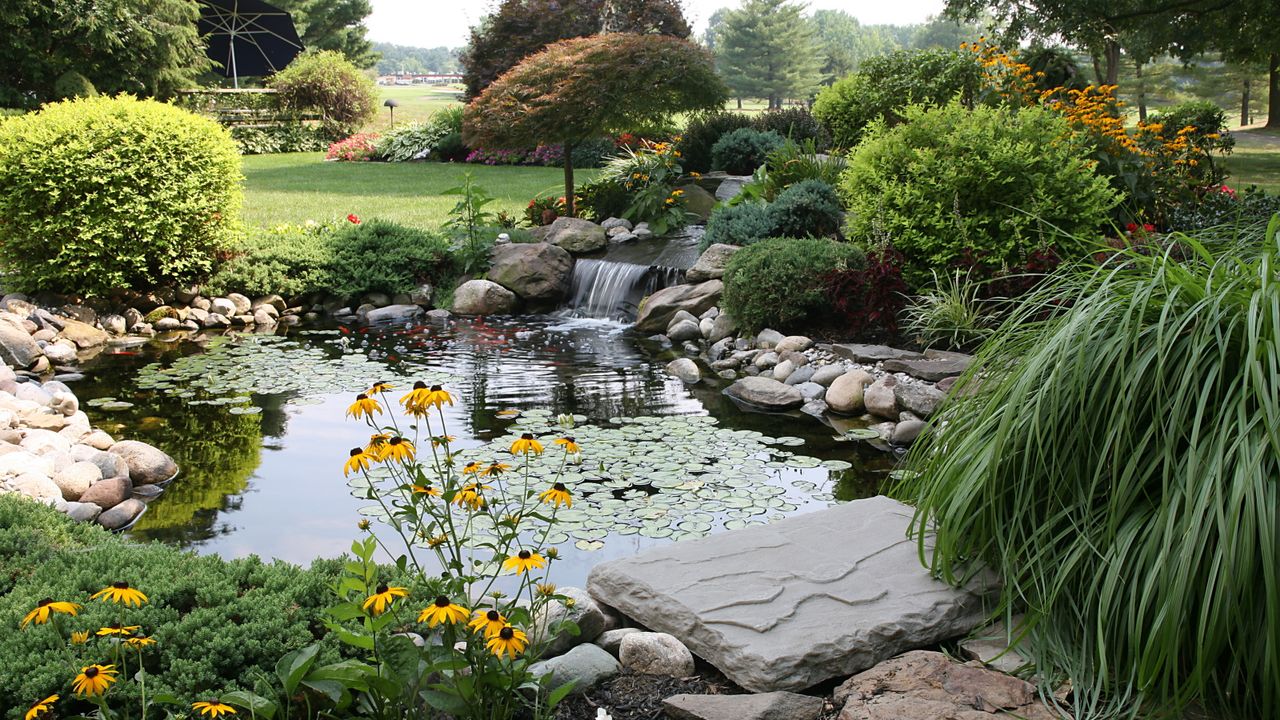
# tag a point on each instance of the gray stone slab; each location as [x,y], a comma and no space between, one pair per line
[931,370]
[792,604]
[872,353]
[767,706]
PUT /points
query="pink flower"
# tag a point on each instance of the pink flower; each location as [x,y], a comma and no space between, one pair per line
[353,219]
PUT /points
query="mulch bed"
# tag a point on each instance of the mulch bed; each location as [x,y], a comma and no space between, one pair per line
[632,696]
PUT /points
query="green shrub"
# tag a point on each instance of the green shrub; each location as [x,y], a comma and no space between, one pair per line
[980,188]
[795,124]
[1206,117]
[72,84]
[950,313]
[885,86]
[285,138]
[106,193]
[701,135]
[382,256]
[288,260]
[743,150]
[778,283]
[412,141]
[451,148]
[326,82]
[602,198]
[1224,206]
[741,224]
[1118,471]
[793,162]
[810,208]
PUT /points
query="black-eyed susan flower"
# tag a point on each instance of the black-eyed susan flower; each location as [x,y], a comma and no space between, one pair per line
[137,643]
[364,406]
[471,468]
[40,708]
[495,469]
[436,541]
[46,608]
[443,610]
[546,589]
[121,630]
[526,444]
[377,445]
[425,490]
[509,641]
[120,592]
[471,496]
[358,461]
[422,398]
[79,637]
[94,680]
[379,387]
[442,440]
[524,561]
[363,524]
[488,622]
[382,597]
[570,445]
[213,708]
[557,495]
[399,448]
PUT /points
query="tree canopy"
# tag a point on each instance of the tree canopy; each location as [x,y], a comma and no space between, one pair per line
[333,25]
[582,88]
[768,49]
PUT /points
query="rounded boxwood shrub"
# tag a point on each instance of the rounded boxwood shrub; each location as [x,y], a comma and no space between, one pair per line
[742,151]
[981,188]
[102,193]
[326,82]
[778,283]
[741,224]
[809,208]
[383,256]
[701,134]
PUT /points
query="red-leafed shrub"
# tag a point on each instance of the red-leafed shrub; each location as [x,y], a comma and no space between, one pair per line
[867,300]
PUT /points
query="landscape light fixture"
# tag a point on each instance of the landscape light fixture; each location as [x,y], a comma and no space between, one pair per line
[391,104]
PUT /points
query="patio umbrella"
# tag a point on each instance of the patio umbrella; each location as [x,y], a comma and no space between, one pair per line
[248,37]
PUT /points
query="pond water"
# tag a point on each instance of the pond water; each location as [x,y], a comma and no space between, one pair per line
[256,423]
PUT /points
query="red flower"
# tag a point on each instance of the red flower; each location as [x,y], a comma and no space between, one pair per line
[1148,227]
[1227,190]
[1131,228]
[353,219]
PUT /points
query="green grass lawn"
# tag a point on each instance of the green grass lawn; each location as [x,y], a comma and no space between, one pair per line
[1256,160]
[417,102]
[297,187]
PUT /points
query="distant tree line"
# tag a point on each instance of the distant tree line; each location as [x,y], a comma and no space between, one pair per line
[406,59]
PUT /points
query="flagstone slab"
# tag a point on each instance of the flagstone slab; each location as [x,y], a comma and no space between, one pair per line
[787,606]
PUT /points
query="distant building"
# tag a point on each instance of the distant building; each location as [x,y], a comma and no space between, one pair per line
[420,79]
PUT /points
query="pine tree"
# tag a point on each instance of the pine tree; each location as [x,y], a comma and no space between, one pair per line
[767,49]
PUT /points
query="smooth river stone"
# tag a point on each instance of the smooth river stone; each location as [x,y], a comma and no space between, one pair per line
[789,605]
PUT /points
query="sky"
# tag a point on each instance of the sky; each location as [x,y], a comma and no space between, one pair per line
[432,23]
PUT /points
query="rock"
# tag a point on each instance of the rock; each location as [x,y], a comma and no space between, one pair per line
[845,394]
[122,514]
[871,353]
[731,187]
[60,353]
[18,462]
[623,238]
[880,399]
[642,231]
[82,334]
[611,640]
[217,320]
[945,384]
[681,316]
[46,421]
[766,360]
[75,479]
[36,486]
[657,309]
[263,316]
[816,408]
[99,440]
[166,324]
[147,465]
[684,330]
[697,202]
[921,399]
[827,374]
[241,304]
[685,369]
[783,370]
[223,307]
[421,295]
[925,685]
[711,263]
[42,442]
[722,327]
[483,297]
[394,314]
[34,392]
[616,223]
[767,339]
[580,609]
[812,391]
[764,706]
[109,492]
[583,666]
[539,272]
[17,349]
[906,432]
[186,293]
[991,646]
[765,393]
[931,370]
[110,465]
[654,653]
[82,511]
[576,235]
[196,315]
[800,375]
[793,343]
[792,604]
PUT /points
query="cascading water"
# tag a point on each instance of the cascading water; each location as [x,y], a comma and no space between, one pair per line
[612,290]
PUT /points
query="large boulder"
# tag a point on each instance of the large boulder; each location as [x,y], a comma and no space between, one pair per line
[82,334]
[577,235]
[109,492]
[860,353]
[921,399]
[402,313]
[121,515]
[652,653]
[845,394]
[583,666]
[657,310]
[538,272]
[76,478]
[711,263]
[483,297]
[880,399]
[697,202]
[17,349]
[765,393]
[581,610]
[147,465]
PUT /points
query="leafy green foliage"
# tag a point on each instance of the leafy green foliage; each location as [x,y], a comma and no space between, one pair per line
[602,198]
[809,208]
[702,132]
[795,124]
[885,86]
[286,260]
[105,193]
[1206,117]
[741,151]
[1223,206]
[741,224]
[382,256]
[768,49]
[792,162]
[412,141]
[327,83]
[283,138]
[950,313]
[778,282]
[1118,471]
[981,188]
[466,221]
[72,84]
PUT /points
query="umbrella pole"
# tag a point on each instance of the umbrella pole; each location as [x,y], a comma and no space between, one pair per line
[235,77]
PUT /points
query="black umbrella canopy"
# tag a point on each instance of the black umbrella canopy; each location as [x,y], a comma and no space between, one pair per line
[248,37]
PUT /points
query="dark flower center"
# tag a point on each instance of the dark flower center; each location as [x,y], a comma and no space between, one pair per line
[506,633]
[525,555]
[492,616]
[362,396]
[560,487]
[570,438]
[395,440]
[381,589]
[120,585]
[436,388]
[91,672]
[355,451]
[527,436]
[419,385]
[443,602]
[46,601]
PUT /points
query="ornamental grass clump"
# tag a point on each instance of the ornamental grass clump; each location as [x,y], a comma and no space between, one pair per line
[1115,453]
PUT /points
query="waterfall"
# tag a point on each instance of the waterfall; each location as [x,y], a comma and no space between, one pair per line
[612,290]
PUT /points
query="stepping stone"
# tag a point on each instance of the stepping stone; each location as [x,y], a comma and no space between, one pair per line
[860,353]
[789,605]
[767,706]
[931,370]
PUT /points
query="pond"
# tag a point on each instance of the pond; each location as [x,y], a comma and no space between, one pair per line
[257,425]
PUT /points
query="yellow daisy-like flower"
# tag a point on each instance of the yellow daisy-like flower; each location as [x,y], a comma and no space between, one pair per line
[425,490]
[382,596]
[79,637]
[443,610]
[94,680]
[570,445]
[121,630]
[524,561]
[377,446]
[508,641]
[357,462]
[440,440]
[213,708]
[46,608]
[471,468]
[495,469]
[137,643]
[120,592]
[40,708]
[418,400]
[379,387]
[364,406]
[557,495]
[525,445]
[399,448]
[470,496]
[546,589]
[437,541]
[490,622]
[363,524]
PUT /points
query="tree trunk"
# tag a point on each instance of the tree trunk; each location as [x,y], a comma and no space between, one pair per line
[739,103]
[1112,57]
[1097,68]
[1273,91]
[1244,101]
[569,210]
[1142,92]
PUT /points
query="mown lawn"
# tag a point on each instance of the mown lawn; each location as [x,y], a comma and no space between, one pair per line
[1256,159]
[417,103]
[296,187]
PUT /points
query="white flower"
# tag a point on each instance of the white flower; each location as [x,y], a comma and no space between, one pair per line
[602,715]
